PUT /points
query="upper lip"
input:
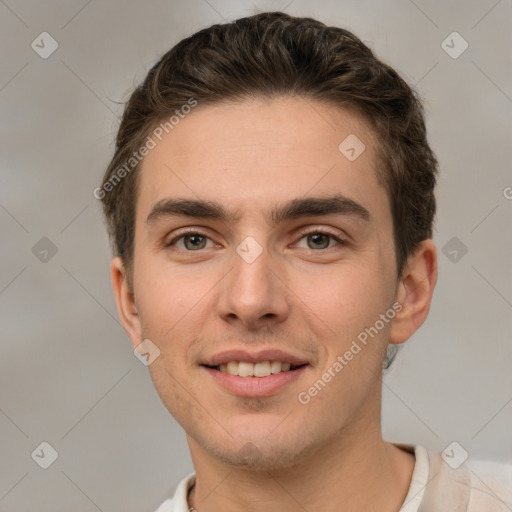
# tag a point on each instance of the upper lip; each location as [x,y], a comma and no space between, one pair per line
[255,357]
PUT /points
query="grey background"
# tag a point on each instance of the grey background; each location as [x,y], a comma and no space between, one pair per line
[68,375]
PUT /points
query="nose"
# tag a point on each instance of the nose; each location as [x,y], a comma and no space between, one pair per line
[254,294]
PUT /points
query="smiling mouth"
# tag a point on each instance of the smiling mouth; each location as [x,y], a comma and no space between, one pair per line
[262,369]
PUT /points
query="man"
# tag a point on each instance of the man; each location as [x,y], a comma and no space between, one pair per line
[270,202]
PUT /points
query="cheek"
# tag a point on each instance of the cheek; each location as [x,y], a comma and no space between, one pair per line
[168,296]
[344,301]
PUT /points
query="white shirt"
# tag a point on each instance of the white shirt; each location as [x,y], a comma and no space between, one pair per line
[474,486]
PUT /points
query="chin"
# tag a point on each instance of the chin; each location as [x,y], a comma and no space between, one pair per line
[257,458]
[261,449]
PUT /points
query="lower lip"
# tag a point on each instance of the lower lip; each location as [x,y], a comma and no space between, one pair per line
[255,386]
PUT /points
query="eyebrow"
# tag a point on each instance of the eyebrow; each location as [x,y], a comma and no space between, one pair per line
[293,209]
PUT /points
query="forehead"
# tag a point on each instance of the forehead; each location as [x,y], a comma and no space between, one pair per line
[256,153]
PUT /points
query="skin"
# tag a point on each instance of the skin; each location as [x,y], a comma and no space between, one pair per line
[305,295]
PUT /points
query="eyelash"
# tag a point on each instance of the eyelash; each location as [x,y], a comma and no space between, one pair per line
[313,231]
[302,232]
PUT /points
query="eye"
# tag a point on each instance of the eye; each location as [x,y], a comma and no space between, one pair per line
[193,240]
[317,239]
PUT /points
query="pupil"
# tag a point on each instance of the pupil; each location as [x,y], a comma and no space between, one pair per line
[195,244]
[315,238]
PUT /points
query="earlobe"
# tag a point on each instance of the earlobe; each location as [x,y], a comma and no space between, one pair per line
[415,292]
[125,300]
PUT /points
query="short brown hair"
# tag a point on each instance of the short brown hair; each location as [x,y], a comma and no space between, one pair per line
[272,54]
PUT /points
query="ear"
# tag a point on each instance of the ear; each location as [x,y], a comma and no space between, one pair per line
[414,292]
[125,302]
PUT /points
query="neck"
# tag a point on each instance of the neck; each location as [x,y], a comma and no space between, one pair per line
[357,470]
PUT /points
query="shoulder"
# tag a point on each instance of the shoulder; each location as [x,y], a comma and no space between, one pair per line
[178,503]
[452,481]
[473,486]
[491,485]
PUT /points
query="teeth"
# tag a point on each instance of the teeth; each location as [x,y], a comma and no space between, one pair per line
[232,368]
[245,369]
[263,369]
[275,366]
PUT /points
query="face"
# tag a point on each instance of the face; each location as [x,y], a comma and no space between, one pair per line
[288,257]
